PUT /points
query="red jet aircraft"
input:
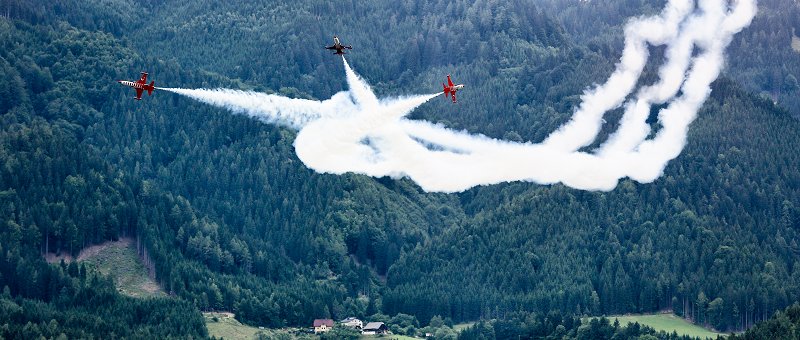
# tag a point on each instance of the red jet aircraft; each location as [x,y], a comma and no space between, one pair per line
[140,86]
[338,46]
[450,89]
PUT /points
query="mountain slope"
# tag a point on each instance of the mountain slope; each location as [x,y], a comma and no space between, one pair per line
[232,220]
[57,194]
[721,222]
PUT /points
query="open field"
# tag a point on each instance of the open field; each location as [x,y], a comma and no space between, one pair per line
[229,328]
[667,323]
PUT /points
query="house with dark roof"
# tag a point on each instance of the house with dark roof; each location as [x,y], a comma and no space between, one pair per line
[322,325]
[374,328]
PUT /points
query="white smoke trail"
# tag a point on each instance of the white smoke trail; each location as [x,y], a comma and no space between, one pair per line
[270,108]
[586,122]
[354,131]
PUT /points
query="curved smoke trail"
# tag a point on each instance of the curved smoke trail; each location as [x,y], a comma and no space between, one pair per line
[354,131]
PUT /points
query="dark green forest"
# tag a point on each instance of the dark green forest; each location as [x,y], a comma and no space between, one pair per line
[784,324]
[554,325]
[229,219]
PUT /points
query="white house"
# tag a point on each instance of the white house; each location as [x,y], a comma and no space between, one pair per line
[352,323]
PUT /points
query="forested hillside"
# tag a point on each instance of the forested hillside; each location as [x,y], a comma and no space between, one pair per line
[784,324]
[58,194]
[230,219]
[678,244]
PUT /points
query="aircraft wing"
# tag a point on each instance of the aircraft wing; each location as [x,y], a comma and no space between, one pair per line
[449,82]
[139,93]
[330,47]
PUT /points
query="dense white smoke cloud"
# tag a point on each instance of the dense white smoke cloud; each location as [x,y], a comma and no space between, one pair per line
[354,131]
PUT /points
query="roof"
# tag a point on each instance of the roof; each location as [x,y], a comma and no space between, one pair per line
[374,325]
[320,322]
[350,319]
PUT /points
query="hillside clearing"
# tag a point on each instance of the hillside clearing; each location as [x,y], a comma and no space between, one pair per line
[119,260]
[224,325]
[667,323]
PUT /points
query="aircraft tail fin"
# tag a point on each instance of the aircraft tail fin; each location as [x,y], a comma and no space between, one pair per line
[446,90]
[152,87]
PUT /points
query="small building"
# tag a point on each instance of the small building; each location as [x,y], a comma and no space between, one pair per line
[322,325]
[374,328]
[352,323]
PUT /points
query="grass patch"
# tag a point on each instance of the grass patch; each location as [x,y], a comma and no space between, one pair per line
[224,325]
[462,326]
[227,327]
[120,261]
[667,323]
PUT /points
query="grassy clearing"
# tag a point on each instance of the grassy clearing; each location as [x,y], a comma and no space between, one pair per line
[461,326]
[120,261]
[227,327]
[667,323]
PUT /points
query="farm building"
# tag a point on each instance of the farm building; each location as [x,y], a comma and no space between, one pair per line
[322,325]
